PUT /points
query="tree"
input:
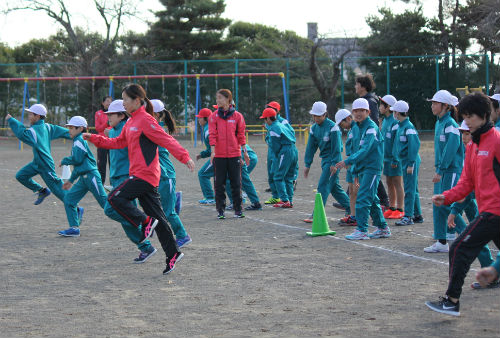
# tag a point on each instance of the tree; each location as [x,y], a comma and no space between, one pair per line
[189,29]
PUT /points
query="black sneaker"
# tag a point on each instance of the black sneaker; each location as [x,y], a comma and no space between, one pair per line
[418,219]
[492,285]
[148,228]
[254,206]
[338,206]
[446,306]
[172,261]
[221,215]
[239,214]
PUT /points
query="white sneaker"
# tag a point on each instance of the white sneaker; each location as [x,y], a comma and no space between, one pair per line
[451,237]
[437,247]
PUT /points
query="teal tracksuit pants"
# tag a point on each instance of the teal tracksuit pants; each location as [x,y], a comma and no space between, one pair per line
[90,181]
[205,175]
[133,233]
[410,185]
[246,183]
[54,183]
[471,211]
[330,185]
[168,199]
[270,174]
[284,169]
[440,214]
[367,202]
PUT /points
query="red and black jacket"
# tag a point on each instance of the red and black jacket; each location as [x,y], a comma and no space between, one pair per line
[227,132]
[142,135]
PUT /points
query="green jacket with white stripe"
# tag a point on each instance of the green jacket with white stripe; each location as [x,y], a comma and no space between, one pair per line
[326,137]
[448,149]
[81,159]
[406,144]
[369,157]
[38,136]
[207,152]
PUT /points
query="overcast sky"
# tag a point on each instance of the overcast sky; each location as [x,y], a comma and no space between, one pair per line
[335,18]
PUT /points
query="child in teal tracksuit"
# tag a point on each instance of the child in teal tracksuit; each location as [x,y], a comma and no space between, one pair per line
[167,178]
[118,173]
[368,161]
[206,172]
[448,160]
[325,135]
[85,170]
[405,154]
[284,160]
[270,155]
[246,183]
[38,136]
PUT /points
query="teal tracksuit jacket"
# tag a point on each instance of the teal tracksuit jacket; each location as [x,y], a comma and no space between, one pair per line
[448,161]
[206,172]
[367,162]
[405,154]
[38,136]
[350,148]
[389,127]
[118,172]
[89,179]
[327,138]
[281,143]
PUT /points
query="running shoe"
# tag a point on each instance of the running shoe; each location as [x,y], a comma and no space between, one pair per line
[272,201]
[70,232]
[207,201]
[183,241]
[348,220]
[172,261]
[145,255]
[221,215]
[41,195]
[437,247]
[404,221]
[418,219]
[254,206]
[239,214]
[282,204]
[357,235]
[446,306]
[148,228]
[381,233]
[396,214]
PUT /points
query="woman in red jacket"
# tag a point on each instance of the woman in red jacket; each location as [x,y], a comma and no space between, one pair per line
[142,135]
[226,129]
[101,123]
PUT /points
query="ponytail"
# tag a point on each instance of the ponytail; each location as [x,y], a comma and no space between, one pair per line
[169,120]
[149,106]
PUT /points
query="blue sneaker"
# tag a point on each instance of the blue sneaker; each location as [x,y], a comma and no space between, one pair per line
[178,202]
[207,201]
[42,194]
[357,236]
[70,232]
[183,241]
[80,213]
[145,255]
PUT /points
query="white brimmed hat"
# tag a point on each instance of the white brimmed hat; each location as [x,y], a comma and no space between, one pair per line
[38,109]
[116,107]
[495,97]
[389,99]
[454,100]
[341,115]
[158,106]
[401,107]
[77,121]
[442,96]
[463,126]
[318,108]
[360,104]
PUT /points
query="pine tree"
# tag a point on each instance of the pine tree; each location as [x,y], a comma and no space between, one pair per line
[189,29]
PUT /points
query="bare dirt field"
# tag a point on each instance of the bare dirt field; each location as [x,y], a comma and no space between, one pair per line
[257,276]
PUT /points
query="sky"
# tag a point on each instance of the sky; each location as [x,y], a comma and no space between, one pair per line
[335,18]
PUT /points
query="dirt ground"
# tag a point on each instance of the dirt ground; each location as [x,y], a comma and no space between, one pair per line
[257,276]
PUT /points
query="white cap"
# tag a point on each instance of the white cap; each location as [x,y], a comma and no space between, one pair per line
[38,109]
[442,96]
[341,115]
[77,121]
[360,104]
[454,100]
[401,107]
[389,99]
[116,107]
[318,108]
[463,126]
[158,106]
[495,97]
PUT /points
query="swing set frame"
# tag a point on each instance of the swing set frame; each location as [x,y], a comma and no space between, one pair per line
[111,78]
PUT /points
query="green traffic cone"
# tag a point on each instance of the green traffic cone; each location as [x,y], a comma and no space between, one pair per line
[320,224]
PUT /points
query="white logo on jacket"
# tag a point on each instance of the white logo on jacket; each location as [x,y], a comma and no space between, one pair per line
[482,153]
